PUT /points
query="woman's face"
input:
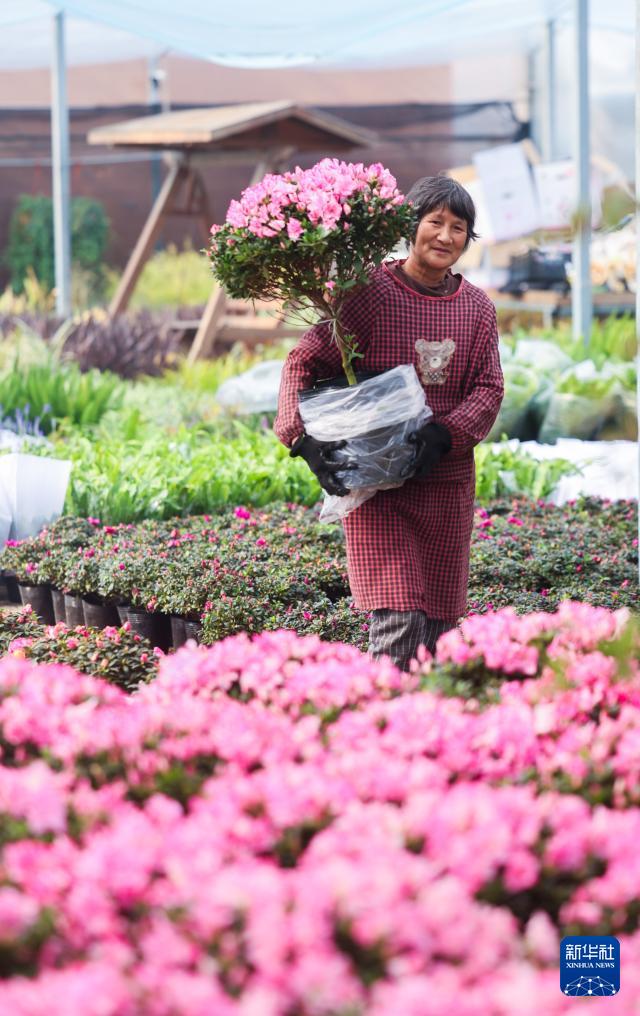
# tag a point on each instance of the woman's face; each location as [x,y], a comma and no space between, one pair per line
[440,239]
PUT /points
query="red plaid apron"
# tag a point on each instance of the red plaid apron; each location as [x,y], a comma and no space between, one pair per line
[408,548]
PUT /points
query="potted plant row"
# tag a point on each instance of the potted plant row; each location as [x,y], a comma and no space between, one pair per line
[163,578]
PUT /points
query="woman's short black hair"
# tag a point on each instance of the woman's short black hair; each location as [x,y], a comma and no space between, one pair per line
[431,192]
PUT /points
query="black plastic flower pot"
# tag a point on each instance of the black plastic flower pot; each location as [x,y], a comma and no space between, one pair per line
[12,587]
[377,457]
[178,632]
[39,599]
[59,610]
[164,633]
[74,609]
[193,630]
[340,381]
[100,615]
[154,627]
[123,611]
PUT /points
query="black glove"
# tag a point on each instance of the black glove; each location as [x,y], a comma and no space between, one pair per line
[432,441]
[317,455]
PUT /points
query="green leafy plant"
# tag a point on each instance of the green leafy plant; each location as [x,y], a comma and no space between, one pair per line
[611,339]
[158,475]
[52,392]
[501,470]
[128,471]
[171,278]
[31,238]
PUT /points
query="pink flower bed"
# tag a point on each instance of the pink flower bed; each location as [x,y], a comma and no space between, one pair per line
[280,827]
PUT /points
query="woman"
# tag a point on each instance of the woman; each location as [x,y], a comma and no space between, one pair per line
[408,548]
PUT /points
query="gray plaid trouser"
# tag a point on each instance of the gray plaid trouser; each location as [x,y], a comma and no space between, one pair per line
[398,633]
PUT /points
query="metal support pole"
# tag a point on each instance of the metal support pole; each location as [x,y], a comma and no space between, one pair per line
[637,198]
[581,293]
[532,90]
[155,76]
[60,170]
[548,110]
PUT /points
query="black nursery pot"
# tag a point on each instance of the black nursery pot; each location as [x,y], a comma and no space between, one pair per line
[334,383]
[12,587]
[100,615]
[59,611]
[39,598]
[154,627]
[164,637]
[178,632]
[373,453]
[74,610]
[123,610]
[193,630]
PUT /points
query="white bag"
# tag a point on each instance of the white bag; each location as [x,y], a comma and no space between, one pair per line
[5,518]
[34,489]
[255,391]
[376,418]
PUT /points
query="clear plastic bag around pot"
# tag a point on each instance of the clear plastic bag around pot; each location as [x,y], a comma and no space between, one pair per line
[375,418]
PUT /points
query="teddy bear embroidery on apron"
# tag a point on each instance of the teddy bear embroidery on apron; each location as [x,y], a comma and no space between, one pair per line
[434,359]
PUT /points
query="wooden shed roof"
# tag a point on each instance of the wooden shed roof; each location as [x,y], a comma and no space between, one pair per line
[252,125]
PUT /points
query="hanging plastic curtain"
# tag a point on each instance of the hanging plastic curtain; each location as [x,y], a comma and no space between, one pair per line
[249,33]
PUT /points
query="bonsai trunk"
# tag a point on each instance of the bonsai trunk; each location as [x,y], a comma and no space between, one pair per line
[344,344]
[344,341]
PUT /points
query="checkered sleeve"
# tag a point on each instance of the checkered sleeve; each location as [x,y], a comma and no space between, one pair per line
[316,357]
[470,422]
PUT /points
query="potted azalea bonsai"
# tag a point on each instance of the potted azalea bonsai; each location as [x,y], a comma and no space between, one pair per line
[308,239]
[26,559]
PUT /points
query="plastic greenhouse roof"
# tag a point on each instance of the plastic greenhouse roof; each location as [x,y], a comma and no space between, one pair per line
[250,33]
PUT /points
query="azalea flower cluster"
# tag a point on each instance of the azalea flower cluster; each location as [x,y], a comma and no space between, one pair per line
[309,236]
[275,825]
[322,195]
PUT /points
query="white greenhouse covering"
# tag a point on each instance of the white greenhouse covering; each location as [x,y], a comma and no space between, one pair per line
[250,33]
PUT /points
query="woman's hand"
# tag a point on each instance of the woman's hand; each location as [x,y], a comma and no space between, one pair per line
[318,456]
[432,441]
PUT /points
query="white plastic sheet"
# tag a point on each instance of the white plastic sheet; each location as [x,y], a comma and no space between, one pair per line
[33,489]
[609,468]
[6,518]
[544,355]
[247,34]
[376,418]
[255,391]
